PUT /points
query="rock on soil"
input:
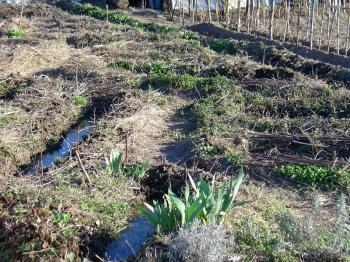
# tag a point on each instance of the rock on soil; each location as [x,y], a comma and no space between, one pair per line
[122,4]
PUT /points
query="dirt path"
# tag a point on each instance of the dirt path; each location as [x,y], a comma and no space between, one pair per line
[156,132]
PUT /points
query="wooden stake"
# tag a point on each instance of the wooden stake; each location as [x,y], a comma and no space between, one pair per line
[217,11]
[107,13]
[257,15]
[348,31]
[264,13]
[83,168]
[183,13]
[328,21]
[312,12]
[286,27]
[193,6]
[126,148]
[308,20]
[248,16]
[321,30]
[272,14]
[239,16]
[338,25]
[209,11]
[227,12]
[22,10]
[331,29]
[298,20]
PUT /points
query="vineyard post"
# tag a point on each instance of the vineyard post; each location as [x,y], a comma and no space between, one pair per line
[217,11]
[193,5]
[183,13]
[312,12]
[308,19]
[338,25]
[272,13]
[247,16]
[331,28]
[264,12]
[180,5]
[322,22]
[298,21]
[328,21]
[227,12]
[348,30]
[239,16]
[257,15]
[286,28]
[209,11]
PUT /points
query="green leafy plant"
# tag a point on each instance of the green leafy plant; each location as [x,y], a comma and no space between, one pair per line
[125,64]
[63,220]
[209,150]
[204,204]
[137,171]
[115,162]
[217,84]
[230,46]
[233,157]
[193,37]
[14,33]
[8,90]
[219,45]
[185,81]
[135,83]
[315,176]
[161,74]
[158,67]
[80,101]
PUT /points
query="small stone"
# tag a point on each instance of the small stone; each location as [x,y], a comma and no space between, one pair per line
[122,4]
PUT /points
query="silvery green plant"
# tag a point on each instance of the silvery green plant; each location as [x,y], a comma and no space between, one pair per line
[201,242]
[342,226]
[204,204]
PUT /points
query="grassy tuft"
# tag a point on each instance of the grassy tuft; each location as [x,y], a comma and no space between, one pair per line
[14,33]
[80,101]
